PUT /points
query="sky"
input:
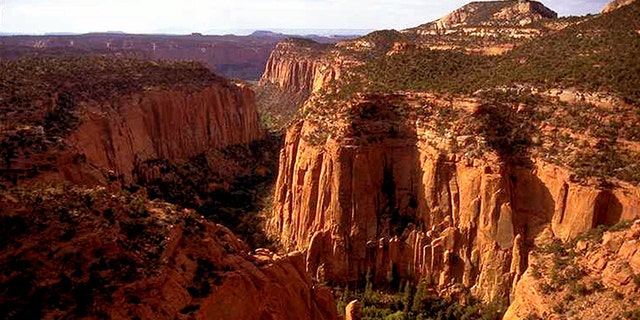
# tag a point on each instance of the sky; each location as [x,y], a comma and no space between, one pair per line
[206,16]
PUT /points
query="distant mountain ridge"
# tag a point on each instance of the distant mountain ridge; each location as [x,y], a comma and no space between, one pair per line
[233,56]
[493,13]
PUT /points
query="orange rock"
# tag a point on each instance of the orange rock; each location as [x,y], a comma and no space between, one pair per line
[294,66]
[352,311]
[606,285]
[616,4]
[395,206]
[165,125]
[177,265]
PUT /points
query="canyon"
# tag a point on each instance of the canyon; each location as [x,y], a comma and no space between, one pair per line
[383,199]
[484,160]
[165,125]
[113,135]
[241,57]
[119,256]
[78,245]
[368,187]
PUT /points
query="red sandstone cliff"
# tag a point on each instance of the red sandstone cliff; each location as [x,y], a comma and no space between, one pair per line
[72,252]
[596,277]
[385,185]
[89,119]
[168,124]
[294,66]
[380,195]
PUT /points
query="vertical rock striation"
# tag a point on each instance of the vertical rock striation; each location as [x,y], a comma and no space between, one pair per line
[170,124]
[294,67]
[401,209]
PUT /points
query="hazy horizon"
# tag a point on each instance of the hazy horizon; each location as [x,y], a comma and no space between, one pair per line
[214,32]
[207,17]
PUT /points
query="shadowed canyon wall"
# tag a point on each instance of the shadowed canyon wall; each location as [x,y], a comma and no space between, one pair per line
[165,125]
[382,199]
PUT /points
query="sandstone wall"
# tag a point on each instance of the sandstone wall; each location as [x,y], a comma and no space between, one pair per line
[119,256]
[256,287]
[400,209]
[605,287]
[297,72]
[165,124]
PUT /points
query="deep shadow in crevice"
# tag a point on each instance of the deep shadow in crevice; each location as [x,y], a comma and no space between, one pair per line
[506,131]
[608,209]
[230,186]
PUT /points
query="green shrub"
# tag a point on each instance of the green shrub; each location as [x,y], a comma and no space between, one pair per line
[622,225]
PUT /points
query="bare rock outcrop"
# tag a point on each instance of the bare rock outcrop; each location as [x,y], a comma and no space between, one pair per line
[119,256]
[94,119]
[489,27]
[294,66]
[176,124]
[615,5]
[494,13]
[595,277]
[352,311]
[382,198]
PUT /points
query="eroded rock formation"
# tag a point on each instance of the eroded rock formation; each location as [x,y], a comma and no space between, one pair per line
[616,4]
[490,27]
[596,277]
[378,196]
[106,253]
[171,124]
[294,66]
[352,311]
[494,13]
[122,257]
[237,57]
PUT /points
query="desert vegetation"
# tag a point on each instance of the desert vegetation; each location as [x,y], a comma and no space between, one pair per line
[29,85]
[411,302]
[563,273]
[68,250]
[518,117]
[41,100]
[230,186]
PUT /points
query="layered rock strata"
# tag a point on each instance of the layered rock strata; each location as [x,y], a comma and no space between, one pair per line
[171,124]
[294,67]
[493,13]
[596,277]
[382,199]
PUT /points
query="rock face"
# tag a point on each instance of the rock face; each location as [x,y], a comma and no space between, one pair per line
[120,257]
[95,119]
[599,278]
[489,27]
[388,202]
[105,253]
[352,311]
[616,4]
[172,124]
[494,13]
[363,192]
[294,67]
